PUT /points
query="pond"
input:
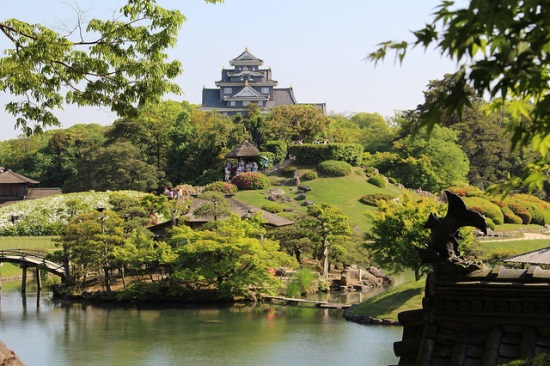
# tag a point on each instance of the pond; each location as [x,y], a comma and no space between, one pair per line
[47,332]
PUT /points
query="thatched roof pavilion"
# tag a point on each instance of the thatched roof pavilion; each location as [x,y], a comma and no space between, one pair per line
[244,150]
[14,186]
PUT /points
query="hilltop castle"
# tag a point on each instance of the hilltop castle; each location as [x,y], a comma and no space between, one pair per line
[247,83]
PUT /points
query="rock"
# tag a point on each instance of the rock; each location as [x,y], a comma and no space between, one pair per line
[301,196]
[295,181]
[304,188]
[288,209]
[271,198]
[376,272]
[361,288]
[277,191]
[8,357]
[308,203]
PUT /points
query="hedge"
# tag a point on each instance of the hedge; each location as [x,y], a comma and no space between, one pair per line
[334,168]
[222,187]
[537,208]
[273,207]
[486,208]
[309,175]
[313,154]
[378,181]
[372,199]
[278,149]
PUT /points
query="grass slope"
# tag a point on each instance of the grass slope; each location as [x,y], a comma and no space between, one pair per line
[388,304]
[343,193]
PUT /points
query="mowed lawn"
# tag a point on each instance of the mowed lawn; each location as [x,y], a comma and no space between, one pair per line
[342,192]
[45,243]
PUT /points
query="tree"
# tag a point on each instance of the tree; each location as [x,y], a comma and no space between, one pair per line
[328,226]
[215,205]
[376,133]
[115,167]
[501,49]
[232,258]
[295,122]
[88,244]
[397,229]
[122,65]
[293,239]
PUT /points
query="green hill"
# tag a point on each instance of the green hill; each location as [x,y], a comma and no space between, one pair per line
[343,193]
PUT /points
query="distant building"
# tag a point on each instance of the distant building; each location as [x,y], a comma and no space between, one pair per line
[247,83]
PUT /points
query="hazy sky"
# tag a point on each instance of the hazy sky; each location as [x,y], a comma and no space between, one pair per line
[316,46]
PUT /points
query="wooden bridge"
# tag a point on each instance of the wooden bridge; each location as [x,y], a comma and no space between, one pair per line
[317,303]
[31,258]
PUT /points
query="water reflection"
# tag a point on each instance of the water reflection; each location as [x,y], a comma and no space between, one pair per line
[66,333]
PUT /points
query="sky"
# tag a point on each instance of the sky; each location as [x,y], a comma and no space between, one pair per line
[316,46]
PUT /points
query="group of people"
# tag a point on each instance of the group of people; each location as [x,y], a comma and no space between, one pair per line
[172,194]
[232,170]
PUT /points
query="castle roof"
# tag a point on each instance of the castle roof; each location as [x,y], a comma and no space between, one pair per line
[246,58]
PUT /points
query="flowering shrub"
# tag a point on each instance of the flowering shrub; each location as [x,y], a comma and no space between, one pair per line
[186,190]
[250,181]
[222,187]
[49,215]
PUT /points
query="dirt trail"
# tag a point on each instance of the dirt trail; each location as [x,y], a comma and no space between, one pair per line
[525,236]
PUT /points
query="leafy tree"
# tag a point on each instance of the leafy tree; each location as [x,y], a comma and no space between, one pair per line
[432,163]
[115,167]
[88,244]
[376,133]
[397,229]
[294,239]
[121,65]
[500,49]
[328,227]
[232,258]
[143,254]
[295,122]
[215,206]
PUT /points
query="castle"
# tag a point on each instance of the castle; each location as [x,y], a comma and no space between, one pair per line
[247,83]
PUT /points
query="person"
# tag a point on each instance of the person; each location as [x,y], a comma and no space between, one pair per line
[166,191]
[254,167]
[265,163]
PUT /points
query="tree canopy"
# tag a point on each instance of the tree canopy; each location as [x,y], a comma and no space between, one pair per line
[119,63]
[501,49]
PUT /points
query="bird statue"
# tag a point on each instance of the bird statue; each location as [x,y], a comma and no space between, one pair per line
[445,231]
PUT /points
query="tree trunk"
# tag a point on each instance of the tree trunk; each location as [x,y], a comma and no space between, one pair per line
[417,273]
[325,259]
[107,279]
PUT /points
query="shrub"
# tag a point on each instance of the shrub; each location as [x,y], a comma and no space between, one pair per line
[311,154]
[222,187]
[309,175]
[270,157]
[510,217]
[466,191]
[186,190]
[378,181]
[278,149]
[372,199]
[486,208]
[288,171]
[302,283]
[539,210]
[490,223]
[520,211]
[334,168]
[251,181]
[273,207]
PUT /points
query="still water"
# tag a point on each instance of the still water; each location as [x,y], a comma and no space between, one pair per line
[47,332]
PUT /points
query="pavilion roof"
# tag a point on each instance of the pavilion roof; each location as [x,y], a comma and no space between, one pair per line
[9,177]
[245,149]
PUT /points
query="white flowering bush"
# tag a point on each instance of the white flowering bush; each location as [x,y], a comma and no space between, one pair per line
[49,215]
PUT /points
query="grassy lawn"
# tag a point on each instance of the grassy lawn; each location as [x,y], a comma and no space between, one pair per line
[388,304]
[505,249]
[45,243]
[28,242]
[343,192]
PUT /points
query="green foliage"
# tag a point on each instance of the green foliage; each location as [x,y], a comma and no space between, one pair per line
[288,171]
[372,199]
[467,191]
[302,283]
[230,259]
[486,208]
[377,180]
[334,168]
[278,148]
[309,175]
[497,54]
[510,217]
[122,65]
[215,205]
[312,154]
[537,208]
[397,229]
[251,181]
[295,122]
[222,187]
[49,215]
[273,207]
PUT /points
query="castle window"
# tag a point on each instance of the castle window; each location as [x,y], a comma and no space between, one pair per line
[228,90]
[265,90]
[245,103]
[232,103]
